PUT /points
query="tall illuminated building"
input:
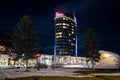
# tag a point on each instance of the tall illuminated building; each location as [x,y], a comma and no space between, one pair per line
[65,34]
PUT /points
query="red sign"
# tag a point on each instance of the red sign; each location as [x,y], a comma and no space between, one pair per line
[37,55]
[59,14]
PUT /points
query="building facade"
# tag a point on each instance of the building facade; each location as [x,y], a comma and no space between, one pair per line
[108,60]
[61,60]
[65,35]
[3,60]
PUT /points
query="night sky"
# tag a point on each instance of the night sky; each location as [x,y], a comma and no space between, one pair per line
[103,16]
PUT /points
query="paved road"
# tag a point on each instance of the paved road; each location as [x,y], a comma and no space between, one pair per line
[2,76]
[13,73]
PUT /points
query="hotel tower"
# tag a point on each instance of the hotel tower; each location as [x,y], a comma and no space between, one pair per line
[65,34]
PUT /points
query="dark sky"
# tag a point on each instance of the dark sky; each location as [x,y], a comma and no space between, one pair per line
[103,16]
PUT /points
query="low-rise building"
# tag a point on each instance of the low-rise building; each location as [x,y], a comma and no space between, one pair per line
[3,60]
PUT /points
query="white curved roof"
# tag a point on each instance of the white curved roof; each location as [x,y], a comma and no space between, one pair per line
[111,53]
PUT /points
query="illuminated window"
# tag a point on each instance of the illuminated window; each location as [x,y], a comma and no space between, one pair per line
[72,44]
[58,33]
[58,24]
[64,24]
[69,40]
[73,38]
[64,19]
[72,32]
[69,34]
[60,36]
[72,29]
[67,24]
[72,26]
[56,36]
[65,27]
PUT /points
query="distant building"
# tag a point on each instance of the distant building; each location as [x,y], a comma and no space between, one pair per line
[108,60]
[3,60]
[6,45]
[61,60]
[2,48]
[65,35]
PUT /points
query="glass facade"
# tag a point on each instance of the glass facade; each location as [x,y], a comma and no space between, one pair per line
[65,35]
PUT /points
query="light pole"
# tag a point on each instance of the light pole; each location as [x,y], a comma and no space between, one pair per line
[53,62]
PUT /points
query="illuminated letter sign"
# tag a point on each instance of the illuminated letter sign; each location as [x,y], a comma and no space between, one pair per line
[58,14]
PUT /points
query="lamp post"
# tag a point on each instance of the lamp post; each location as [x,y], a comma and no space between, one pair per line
[23,57]
[4,62]
[53,62]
